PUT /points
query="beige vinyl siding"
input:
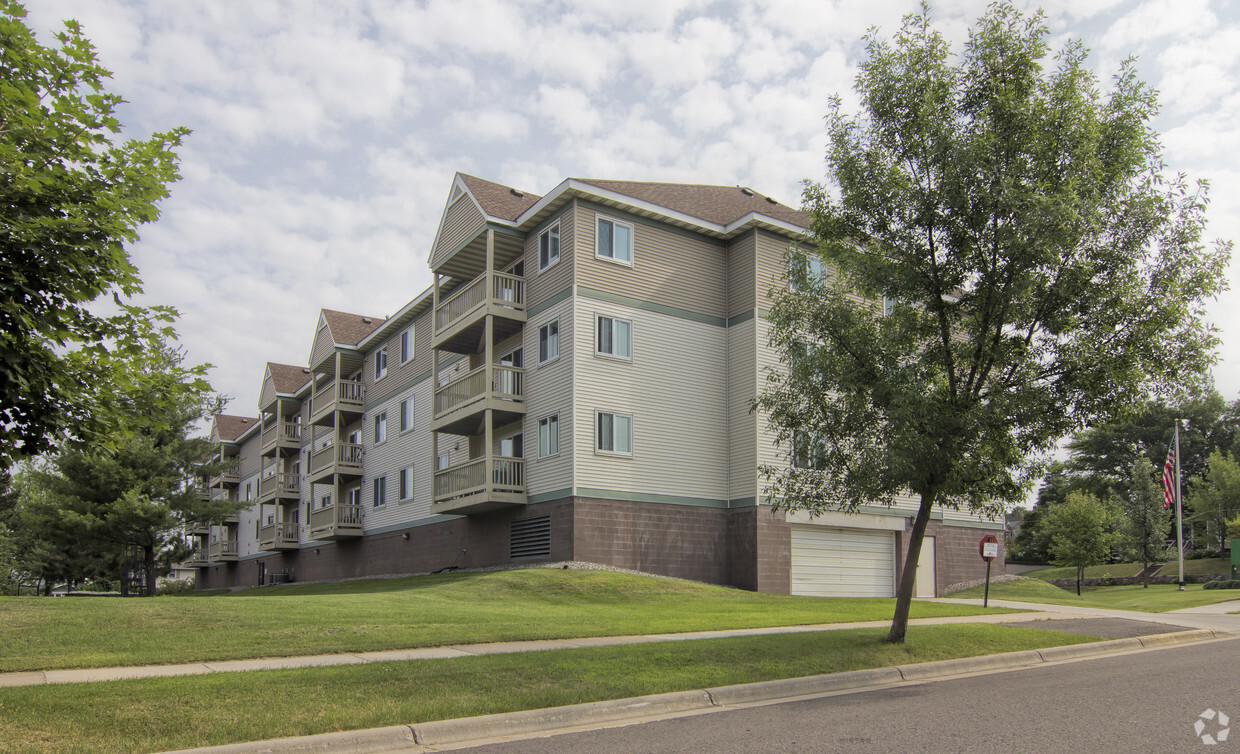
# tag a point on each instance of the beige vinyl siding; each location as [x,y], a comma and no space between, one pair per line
[768,359]
[268,393]
[323,343]
[742,424]
[540,286]
[247,536]
[670,267]
[248,463]
[742,275]
[770,265]
[549,390]
[461,221]
[675,390]
[401,450]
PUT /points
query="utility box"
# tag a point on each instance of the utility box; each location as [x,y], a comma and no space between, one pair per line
[1235,557]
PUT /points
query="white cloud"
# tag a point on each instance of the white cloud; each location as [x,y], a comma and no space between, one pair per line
[569,110]
[490,125]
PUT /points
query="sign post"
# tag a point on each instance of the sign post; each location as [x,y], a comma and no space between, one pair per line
[989,550]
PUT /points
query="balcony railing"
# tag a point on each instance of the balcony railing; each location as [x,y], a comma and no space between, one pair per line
[507,383]
[226,477]
[346,395]
[281,432]
[283,485]
[470,478]
[336,518]
[505,290]
[197,558]
[340,457]
[222,549]
[281,534]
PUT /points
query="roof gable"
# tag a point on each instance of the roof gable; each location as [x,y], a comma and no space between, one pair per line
[287,379]
[349,329]
[227,427]
[498,200]
[722,205]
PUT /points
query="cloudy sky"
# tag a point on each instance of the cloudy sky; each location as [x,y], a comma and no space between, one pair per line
[326,134]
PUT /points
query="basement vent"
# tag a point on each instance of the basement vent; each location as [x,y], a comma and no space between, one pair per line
[530,538]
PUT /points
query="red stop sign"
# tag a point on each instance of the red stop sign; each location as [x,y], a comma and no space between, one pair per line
[988,548]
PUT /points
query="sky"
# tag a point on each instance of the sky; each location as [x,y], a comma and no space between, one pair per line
[326,134]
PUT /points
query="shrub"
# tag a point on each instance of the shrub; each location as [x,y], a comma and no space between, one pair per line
[1222,584]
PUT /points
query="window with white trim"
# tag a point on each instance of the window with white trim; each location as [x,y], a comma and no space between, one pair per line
[406,483]
[549,436]
[549,247]
[406,414]
[353,495]
[380,492]
[381,428]
[614,337]
[614,433]
[381,363]
[406,345]
[613,240]
[443,460]
[549,342]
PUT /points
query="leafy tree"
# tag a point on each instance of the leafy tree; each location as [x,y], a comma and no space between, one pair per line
[1233,527]
[1080,533]
[1146,522]
[1216,498]
[1039,266]
[72,198]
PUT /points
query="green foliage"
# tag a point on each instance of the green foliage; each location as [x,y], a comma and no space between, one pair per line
[1145,523]
[72,199]
[1043,273]
[1233,527]
[1222,584]
[1216,498]
[1080,532]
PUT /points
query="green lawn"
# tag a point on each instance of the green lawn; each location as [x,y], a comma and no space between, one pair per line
[165,713]
[1191,568]
[51,633]
[1157,598]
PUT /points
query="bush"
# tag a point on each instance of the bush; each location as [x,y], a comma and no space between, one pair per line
[175,587]
[1222,584]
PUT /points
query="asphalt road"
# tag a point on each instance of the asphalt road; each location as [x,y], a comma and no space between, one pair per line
[1140,702]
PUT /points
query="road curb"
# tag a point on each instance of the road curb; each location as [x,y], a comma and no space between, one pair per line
[555,719]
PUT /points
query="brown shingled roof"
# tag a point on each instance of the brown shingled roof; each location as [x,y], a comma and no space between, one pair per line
[229,428]
[348,328]
[716,204]
[287,379]
[498,200]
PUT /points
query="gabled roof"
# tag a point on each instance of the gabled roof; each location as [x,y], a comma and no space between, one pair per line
[227,428]
[349,329]
[498,200]
[287,379]
[722,205]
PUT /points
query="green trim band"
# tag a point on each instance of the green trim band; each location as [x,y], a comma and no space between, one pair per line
[991,525]
[544,497]
[641,497]
[671,311]
[743,502]
[545,304]
[742,317]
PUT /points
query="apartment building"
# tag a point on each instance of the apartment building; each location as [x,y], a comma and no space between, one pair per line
[575,385]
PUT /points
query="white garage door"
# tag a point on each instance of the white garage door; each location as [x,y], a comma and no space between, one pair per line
[830,562]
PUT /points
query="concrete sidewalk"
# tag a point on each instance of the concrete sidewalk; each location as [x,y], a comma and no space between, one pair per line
[1211,617]
[34,678]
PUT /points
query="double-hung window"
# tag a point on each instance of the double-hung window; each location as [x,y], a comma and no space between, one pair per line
[615,337]
[381,428]
[406,483]
[615,433]
[381,363]
[549,247]
[549,436]
[406,345]
[548,342]
[406,414]
[614,240]
[380,492]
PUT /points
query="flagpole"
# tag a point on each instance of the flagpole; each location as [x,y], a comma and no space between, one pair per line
[1179,507]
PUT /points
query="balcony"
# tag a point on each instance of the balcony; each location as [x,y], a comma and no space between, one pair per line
[222,549]
[281,435]
[343,395]
[197,558]
[197,529]
[281,535]
[464,489]
[279,486]
[458,402]
[229,477]
[460,320]
[344,458]
[336,521]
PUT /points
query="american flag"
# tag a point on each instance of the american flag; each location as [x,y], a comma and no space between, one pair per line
[1169,478]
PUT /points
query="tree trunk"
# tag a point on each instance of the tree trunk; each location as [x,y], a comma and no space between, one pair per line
[148,561]
[904,596]
[1145,577]
[1080,572]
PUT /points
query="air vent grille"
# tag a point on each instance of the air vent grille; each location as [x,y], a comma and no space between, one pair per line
[530,538]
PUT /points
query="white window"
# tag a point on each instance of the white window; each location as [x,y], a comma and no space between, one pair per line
[406,414]
[615,433]
[381,363]
[548,342]
[381,428]
[247,490]
[353,496]
[406,483]
[325,501]
[549,436]
[512,447]
[443,460]
[614,240]
[380,492]
[406,345]
[812,265]
[889,305]
[615,337]
[549,247]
